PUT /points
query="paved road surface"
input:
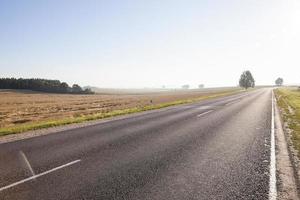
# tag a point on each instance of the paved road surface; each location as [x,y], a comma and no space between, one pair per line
[216,149]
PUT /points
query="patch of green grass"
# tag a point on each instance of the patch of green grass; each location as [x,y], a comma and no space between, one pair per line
[288,99]
[79,119]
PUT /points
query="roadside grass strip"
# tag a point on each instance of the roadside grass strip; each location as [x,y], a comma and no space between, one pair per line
[288,99]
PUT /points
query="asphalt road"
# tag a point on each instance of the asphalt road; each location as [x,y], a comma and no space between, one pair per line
[215,149]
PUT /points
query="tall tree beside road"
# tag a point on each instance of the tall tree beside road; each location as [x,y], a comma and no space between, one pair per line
[247,80]
[279,81]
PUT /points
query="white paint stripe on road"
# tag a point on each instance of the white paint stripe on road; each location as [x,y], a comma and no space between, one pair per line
[27,163]
[38,175]
[228,104]
[235,100]
[272,189]
[239,97]
[205,107]
[205,113]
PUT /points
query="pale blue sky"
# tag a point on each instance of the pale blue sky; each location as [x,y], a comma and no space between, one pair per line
[150,43]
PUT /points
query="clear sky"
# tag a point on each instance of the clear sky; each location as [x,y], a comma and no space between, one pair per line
[150,43]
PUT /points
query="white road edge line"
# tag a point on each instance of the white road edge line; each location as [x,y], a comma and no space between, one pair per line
[205,113]
[273,189]
[38,175]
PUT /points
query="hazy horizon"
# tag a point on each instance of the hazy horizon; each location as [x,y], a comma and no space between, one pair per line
[148,44]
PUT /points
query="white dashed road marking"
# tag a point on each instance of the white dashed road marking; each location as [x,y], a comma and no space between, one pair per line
[228,104]
[205,107]
[205,113]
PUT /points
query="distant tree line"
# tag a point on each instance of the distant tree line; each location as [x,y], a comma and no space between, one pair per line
[185,87]
[43,85]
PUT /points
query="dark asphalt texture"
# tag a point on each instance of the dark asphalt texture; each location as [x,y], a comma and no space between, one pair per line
[168,154]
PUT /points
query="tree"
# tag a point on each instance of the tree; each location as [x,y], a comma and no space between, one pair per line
[185,87]
[43,85]
[88,91]
[200,86]
[76,89]
[279,81]
[64,87]
[247,80]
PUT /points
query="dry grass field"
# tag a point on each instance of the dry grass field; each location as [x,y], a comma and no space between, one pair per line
[26,110]
[288,99]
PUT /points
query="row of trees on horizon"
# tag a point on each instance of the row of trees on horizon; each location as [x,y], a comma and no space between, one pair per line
[55,86]
[42,85]
[247,80]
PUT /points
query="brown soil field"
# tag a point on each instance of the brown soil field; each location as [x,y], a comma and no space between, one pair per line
[21,107]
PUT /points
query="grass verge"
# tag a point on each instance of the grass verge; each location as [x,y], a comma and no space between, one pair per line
[288,99]
[53,123]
